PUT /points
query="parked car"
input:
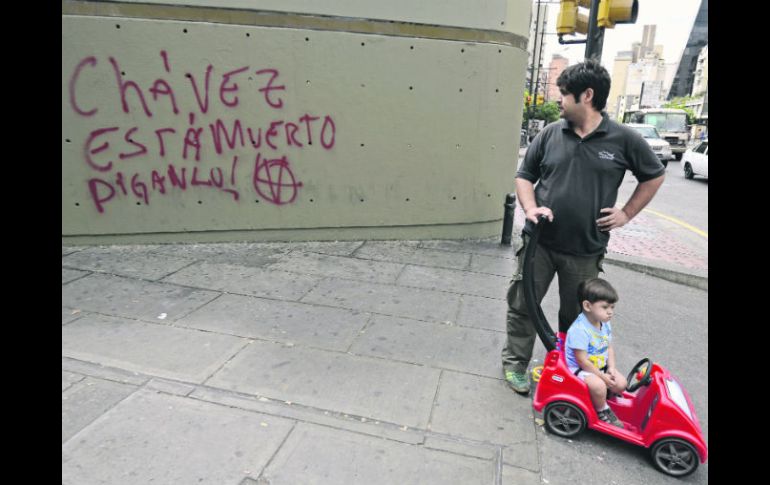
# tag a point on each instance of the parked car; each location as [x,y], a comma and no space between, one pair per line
[695,160]
[660,146]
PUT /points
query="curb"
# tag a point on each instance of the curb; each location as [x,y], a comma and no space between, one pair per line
[696,278]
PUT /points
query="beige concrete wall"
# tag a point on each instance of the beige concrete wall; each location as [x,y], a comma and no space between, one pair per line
[345,120]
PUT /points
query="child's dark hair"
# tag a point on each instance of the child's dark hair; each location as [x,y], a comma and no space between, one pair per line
[596,289]
[589,74]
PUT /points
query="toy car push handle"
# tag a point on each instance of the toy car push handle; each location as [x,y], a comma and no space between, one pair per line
[542,326]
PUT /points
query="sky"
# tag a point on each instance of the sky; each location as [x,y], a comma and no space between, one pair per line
[674,20]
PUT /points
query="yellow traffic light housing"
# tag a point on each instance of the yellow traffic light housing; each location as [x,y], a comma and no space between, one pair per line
[613,12]
[570,19]
[565,22]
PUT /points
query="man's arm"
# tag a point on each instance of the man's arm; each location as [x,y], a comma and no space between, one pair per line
[525,191]
[642,196]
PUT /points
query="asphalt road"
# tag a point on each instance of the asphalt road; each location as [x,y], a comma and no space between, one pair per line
[678,198]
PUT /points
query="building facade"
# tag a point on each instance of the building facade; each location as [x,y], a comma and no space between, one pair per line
[557,66]
[685,75]
[623,59]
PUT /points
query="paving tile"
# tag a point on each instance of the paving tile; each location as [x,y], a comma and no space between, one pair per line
[69,314]
[310,325]
[115,295]
[479,312]
[130,263]
[482,409]
[522,455]
[86,401]
[518,476]
[387,299]
[339,267]
[241,254]
[160,350]
[69,378]
[65,250]
[334,456]
[334,248]
[362,386]
[455,281]
[485,247]
[158,438]
[398,252]
[493,265]
[68,275]
[245,280]
[433,344]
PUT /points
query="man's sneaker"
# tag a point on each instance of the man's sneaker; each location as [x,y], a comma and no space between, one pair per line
[609,417]
[518,381]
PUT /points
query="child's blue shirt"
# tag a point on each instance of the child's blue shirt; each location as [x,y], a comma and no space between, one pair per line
[584,336]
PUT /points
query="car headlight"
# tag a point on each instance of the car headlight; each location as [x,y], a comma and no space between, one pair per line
[677,395]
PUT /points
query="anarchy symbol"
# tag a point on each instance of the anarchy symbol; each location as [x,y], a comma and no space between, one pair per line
[274,181]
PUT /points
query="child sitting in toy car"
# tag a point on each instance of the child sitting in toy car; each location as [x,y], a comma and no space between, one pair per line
[589,351]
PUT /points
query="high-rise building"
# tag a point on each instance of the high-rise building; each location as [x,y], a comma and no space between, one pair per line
[623,59]
[685,75]
[648,40]
[701,79]
[669,78]
[638,76]
[557,66]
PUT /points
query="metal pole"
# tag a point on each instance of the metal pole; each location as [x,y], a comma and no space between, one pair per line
[510,206]
[595,37]
[532,69]
[539,59]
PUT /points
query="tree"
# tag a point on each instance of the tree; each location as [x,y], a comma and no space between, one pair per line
[549,112]
[680,103]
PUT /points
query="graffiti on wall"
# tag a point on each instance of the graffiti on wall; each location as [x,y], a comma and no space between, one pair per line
[193,153]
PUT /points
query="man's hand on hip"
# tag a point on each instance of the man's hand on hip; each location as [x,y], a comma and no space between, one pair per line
[614,219]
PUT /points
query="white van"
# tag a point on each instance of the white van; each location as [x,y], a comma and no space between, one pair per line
[660,146]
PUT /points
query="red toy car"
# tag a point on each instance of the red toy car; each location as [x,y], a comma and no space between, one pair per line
[656,411]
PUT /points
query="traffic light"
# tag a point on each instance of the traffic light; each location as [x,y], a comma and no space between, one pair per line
[565,22]
[613,12]
[570,20]
[539,99]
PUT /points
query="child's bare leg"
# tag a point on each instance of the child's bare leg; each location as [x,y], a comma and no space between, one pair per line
[598,390]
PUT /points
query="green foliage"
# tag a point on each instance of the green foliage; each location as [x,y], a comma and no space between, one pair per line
[547,111]
[679,103]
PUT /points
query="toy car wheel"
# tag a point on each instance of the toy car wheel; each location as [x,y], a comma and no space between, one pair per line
[674,457]
[564,419]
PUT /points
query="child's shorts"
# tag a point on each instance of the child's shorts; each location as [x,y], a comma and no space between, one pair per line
[583,374]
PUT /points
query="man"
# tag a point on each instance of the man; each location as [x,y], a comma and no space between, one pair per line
[578,164]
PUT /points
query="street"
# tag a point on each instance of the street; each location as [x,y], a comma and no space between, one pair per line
[682,199]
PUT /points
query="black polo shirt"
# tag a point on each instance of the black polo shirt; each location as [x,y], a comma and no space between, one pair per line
[576,178]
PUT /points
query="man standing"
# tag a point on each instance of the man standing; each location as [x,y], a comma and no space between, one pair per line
[578,164]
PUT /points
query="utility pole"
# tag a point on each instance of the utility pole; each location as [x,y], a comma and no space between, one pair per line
[595,38]
[539,60]
[532,69]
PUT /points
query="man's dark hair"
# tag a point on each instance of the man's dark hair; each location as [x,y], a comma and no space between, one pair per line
[576,79]
[596,289]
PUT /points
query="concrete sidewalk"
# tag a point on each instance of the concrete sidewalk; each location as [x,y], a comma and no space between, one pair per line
[340,362]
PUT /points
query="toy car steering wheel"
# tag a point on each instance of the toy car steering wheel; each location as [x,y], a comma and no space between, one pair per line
[639,375]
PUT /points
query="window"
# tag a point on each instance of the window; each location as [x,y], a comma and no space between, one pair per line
[702,148]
